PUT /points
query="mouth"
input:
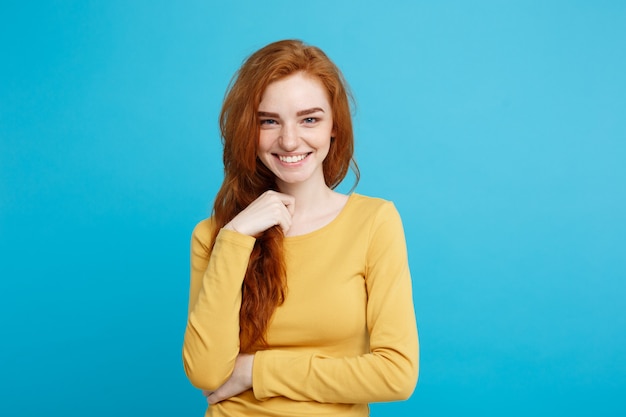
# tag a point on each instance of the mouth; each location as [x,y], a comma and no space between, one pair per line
[292,159]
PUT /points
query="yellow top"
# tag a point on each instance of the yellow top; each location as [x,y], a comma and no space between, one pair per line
[345,335]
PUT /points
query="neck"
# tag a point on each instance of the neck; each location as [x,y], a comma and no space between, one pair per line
[311,197]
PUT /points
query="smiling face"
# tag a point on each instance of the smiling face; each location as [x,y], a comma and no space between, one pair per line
[296,127]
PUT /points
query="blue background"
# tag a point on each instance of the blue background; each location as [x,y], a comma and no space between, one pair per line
[498,128]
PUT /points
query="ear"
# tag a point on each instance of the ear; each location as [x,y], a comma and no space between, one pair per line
[333,133]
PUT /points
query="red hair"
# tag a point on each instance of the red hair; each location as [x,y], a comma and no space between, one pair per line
[246,178]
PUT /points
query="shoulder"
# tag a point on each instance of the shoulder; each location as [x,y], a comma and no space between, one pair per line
[203,233]
[368,214]
[382,228]
[378,213]
[372,207]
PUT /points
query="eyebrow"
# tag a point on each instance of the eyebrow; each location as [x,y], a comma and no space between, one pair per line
[300,113]
[309,111]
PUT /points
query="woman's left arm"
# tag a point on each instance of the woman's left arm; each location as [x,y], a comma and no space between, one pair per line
[389,371]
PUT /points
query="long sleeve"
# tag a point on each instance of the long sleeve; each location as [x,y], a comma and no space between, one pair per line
[211,342]
[389,370]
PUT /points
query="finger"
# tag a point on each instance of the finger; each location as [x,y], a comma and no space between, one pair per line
[213,399]
[288,201]
[270,209]
[285,215]
[285,223]
[281,208]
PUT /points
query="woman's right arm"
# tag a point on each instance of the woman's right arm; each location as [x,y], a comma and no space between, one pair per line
[211,343]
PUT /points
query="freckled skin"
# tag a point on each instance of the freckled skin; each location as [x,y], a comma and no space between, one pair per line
[296,120]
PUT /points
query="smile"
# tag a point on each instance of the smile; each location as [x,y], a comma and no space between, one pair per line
[291,159]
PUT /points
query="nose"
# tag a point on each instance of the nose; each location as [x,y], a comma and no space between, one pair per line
[288,137]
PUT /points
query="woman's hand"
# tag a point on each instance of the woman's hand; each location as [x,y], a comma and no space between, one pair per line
[270,209]
[239,381]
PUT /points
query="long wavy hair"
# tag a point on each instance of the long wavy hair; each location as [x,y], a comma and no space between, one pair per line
[246,178]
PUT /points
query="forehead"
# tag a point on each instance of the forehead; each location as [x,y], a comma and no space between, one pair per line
[297,90]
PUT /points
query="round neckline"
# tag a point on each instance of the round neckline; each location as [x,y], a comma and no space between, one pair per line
[327,226]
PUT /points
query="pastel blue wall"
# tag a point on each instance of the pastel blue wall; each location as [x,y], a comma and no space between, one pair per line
[498,128]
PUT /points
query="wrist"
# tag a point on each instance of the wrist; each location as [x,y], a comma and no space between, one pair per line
[248,366]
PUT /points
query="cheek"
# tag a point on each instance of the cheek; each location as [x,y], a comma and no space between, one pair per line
[326,147]
[264,143]
[263,149]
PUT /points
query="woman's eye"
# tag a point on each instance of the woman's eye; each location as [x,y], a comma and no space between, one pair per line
[268,122]
[310,120]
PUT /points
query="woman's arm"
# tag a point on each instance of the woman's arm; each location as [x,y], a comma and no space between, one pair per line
[211,343]
[239,381]
[389,371]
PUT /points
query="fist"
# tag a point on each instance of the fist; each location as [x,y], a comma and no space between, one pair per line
[270,209]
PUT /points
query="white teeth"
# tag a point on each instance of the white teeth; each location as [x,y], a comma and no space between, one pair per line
[291,159]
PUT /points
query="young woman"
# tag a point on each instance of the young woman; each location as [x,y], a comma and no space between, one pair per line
[300,300]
